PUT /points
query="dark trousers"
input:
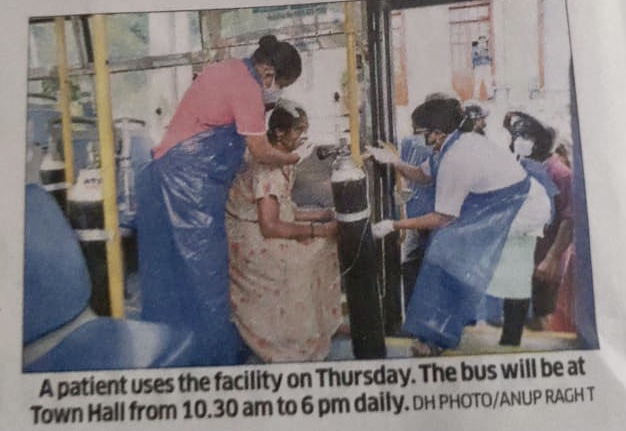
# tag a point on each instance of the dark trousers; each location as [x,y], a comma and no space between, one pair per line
[544,297]
[515,311]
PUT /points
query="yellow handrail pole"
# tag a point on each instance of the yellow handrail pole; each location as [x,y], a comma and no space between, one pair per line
[107,160]
[64,98]
[353,85]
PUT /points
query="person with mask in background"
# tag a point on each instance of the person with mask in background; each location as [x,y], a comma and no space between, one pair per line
[512,279]
[481,66]
[182,193]
[481,194]
[285,283]
[554,249]
[476,115]
[420,201]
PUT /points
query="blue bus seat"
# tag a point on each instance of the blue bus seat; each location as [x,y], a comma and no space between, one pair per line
[57,286]
[109,344]
[57,290]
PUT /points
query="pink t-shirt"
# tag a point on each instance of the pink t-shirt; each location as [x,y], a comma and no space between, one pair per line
[224,93]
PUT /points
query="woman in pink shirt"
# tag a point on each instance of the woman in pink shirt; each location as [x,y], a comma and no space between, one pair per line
[183,250]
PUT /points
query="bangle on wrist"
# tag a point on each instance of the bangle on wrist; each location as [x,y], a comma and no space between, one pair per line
[312,230]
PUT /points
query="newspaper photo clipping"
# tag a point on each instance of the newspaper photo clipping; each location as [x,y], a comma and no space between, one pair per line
[363,215]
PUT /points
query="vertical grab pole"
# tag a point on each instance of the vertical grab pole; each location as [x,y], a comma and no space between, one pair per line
[64,98]
[381,72]
[353,89]
[355,244]
[107,160]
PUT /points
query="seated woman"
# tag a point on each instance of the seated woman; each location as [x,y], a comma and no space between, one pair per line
[285,285]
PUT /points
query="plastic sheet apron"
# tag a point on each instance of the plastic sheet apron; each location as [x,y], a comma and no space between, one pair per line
[183,248]
[539,172]
[459,263]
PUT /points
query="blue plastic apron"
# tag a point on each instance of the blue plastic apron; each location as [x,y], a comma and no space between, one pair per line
[183,248]
[538,171]
[459,263]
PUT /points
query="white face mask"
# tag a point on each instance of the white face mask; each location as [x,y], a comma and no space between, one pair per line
[272,94]
[522,148]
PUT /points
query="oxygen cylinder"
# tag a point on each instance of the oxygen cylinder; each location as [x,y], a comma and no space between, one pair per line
[52,174]
[41,110]
[86,215]
[126,175]
[133,155]
[357,258]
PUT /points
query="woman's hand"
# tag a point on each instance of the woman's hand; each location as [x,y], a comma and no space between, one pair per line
[304,151]
[327,215]
[263,152]
[320,230]
[548,270]
[318,215]
[326,230]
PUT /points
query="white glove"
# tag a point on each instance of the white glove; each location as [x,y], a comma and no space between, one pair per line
[383,155]
[304,151]
[382,228]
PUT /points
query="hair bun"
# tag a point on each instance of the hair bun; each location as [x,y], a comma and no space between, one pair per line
[268,42]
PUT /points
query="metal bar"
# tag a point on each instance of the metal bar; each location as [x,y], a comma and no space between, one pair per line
[107,160]
[407,4]
[392,300]
[145,63]
[157,61]
[390,123]
[64,98]
[469,21]
[470,5]
[373,39]
[540,48]
[379,33]
[77,30]
[87,37]
[353,88]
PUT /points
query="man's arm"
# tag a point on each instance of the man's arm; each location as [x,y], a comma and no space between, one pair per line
[548,268]
[413,173]
[429,221]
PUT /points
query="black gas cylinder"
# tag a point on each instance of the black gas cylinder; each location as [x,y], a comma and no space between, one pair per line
[52,176]
[86,215]
[357,259]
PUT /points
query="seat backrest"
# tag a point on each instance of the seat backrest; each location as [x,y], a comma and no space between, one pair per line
[57,286]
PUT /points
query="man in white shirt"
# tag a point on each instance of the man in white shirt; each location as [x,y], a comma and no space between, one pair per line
[482,194]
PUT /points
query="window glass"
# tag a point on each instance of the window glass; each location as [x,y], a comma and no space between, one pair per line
[42,53]
[128,36]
